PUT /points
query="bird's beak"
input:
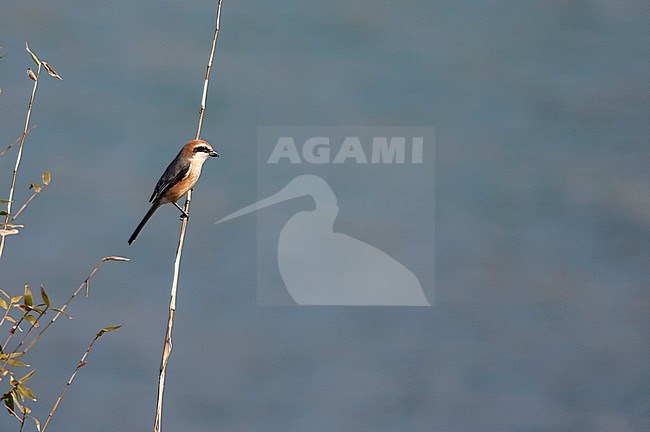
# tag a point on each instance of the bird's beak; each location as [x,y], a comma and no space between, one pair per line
[213,154]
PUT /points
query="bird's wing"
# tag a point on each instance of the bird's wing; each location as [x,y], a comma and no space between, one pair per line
[175,172]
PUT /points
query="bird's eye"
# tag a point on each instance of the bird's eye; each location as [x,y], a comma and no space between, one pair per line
[201,149]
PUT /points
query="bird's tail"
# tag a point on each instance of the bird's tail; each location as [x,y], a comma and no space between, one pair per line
[145,219]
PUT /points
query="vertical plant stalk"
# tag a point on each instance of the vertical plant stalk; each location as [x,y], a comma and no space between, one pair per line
[19,156]
[167,345]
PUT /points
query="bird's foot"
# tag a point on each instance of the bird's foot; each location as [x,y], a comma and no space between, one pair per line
[184,214]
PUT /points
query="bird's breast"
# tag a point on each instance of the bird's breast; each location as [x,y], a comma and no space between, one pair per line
[183,186]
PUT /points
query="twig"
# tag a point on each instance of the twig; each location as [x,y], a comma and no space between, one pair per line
[81,364]
[36,190]
[5,315]
[16,141]
[61,310]
[24,206]
[20,154]
[167,345]
[27,333]
[34,77]
[22,421]
[12,332]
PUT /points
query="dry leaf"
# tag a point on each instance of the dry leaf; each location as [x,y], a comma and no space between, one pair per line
[51,71]
[6,232]
[115,258]
[31,74]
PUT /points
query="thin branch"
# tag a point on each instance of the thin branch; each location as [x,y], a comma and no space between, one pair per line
[81,364]
[16,141]
[12,332]
[20,154]
[61,310]
[36,190]
[16,324]
[27,333]
[5,315]
[10,410]
[22,422]
[24,206]
[167,345]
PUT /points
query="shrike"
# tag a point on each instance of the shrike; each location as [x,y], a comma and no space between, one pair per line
[180,176]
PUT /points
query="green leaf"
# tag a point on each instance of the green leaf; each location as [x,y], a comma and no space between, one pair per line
[108,329]
[13,355]
[46,177]
[16,363]
[45,297]
[32,320]
[29,301]
[36,60]
[31,309]
[9,402]
[24,392]
[16,402]
[26,377]
[3,213]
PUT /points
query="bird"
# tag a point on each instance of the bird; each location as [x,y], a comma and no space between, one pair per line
[179,178]
[322,267]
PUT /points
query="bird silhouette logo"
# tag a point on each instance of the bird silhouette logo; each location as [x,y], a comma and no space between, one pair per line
[323,267]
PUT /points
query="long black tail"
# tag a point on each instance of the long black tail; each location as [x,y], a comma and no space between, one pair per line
[146,218]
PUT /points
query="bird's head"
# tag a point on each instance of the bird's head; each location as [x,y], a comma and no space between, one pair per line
[199,150]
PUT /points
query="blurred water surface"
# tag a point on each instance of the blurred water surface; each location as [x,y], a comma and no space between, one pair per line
[542,306]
